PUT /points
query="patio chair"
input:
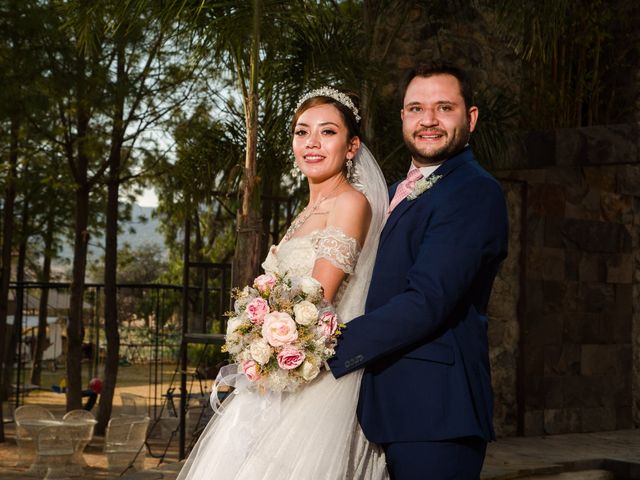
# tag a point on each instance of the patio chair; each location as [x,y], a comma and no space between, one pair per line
[199,412]
[78,414]
[24,437]
[124,442]
[133,404]
[82,426]
[54,447]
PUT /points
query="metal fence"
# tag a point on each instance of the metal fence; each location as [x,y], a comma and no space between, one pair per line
[150,325]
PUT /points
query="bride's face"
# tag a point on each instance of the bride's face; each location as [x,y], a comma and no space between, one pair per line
[320,143]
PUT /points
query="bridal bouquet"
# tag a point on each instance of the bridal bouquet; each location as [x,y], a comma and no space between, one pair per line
[281,331]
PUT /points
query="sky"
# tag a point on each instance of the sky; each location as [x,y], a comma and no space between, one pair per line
[149,198]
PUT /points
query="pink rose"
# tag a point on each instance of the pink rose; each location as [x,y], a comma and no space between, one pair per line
[251,370]
[257,309]
[328,324]
[290,358]
[264,282]
[278,328]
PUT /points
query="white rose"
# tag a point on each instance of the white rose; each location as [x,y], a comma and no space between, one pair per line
[305,312]
[309,370]
[240,304]
[260,351]
[234,343]
[243,356]
[311,287]
[233,324]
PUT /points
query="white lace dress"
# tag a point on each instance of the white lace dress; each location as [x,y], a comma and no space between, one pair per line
[311,434]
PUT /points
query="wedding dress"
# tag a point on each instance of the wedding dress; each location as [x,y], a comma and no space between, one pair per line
[312,433]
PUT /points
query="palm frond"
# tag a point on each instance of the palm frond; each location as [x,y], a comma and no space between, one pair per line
[497,128]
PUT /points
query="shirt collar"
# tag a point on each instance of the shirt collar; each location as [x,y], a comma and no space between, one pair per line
[426,171]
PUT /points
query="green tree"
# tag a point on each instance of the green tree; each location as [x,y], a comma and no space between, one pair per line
[78,78]
[204,174]
[135,86]
[50,213]
[20,67]
[145,82]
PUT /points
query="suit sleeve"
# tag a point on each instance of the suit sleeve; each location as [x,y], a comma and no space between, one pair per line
[467,232]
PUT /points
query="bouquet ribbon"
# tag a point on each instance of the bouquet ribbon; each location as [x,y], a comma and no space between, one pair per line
[232,376]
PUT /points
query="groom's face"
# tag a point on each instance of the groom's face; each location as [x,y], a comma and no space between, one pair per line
[436,123]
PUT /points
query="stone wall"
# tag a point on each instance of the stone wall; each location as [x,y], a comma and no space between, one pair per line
[579,323]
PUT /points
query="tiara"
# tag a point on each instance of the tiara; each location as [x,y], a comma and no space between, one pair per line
[331,93]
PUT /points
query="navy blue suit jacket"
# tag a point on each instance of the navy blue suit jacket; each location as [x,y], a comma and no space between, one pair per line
[423,337]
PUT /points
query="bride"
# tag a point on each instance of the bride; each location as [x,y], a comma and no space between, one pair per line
[313,433]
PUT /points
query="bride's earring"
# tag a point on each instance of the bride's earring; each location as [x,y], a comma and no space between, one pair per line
[350,169]
[352,175]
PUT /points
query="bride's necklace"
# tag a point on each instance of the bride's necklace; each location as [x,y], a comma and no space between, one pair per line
[305,214]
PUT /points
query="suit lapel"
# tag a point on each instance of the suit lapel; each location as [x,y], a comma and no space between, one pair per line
[405,205]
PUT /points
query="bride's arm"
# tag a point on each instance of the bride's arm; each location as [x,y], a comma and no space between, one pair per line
[350,214]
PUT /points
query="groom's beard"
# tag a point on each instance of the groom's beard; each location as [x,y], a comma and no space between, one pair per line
[452,145]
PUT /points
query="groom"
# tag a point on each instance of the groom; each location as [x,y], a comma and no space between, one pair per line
[426,392]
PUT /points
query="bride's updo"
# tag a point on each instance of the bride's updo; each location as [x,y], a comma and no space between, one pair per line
[347,103]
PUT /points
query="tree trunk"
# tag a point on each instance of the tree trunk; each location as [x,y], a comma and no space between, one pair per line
[246,261]
[15,339]
[80,169]
[75,326]
[196,321]
[41,339]
[110,301]
[7,242]
[111,250]
[267,216]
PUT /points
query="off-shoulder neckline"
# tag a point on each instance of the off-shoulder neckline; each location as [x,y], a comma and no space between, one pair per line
[316,231]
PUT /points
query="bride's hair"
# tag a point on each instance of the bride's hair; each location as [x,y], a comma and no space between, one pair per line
[353,125]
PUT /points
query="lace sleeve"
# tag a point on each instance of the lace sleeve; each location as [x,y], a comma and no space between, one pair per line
[334,245]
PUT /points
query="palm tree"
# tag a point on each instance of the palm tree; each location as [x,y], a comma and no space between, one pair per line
[269,51]
[572,53]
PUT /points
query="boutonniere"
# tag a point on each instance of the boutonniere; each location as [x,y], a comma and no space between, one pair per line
[423,185]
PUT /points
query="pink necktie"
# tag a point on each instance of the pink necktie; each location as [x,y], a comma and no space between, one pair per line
[405,187]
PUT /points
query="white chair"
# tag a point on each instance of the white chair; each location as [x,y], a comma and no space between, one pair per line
[124,442]
[82,423]
[78,414]
[54,447]
[24,437]
[133,404]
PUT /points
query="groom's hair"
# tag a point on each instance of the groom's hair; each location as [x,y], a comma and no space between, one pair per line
[430,69]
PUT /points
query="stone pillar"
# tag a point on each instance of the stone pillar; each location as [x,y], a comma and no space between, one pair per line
[504,332]
[633,180]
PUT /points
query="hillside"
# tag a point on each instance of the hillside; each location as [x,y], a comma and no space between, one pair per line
[134,233]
